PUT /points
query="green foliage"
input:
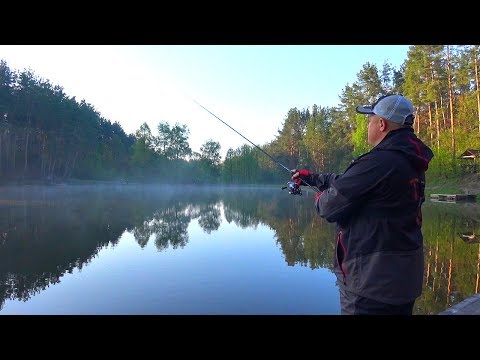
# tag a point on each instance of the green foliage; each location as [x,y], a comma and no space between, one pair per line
[209,161]
[316,139]
[210,151]
[142,154]
[241,166]
[359,136]
[145,134]
[45,134]
[173,142]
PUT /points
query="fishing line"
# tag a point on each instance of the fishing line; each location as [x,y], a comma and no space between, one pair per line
[259,148]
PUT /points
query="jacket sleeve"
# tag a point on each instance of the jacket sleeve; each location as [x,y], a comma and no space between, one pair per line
[322,181]
[346,193]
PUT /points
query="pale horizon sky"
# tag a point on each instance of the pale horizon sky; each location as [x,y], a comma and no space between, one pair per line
[250,87]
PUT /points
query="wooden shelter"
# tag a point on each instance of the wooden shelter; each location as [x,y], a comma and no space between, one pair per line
[471,160]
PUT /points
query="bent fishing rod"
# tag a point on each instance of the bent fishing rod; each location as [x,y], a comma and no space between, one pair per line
[293,188]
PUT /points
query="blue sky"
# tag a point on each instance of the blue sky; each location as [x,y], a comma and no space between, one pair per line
[250,87]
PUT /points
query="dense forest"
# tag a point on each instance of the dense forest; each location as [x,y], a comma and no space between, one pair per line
[48,136]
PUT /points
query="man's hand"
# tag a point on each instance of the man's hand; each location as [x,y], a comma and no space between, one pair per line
[301,177]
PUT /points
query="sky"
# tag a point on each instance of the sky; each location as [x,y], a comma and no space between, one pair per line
[249,87]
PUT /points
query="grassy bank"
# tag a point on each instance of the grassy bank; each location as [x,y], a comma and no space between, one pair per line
[467,184]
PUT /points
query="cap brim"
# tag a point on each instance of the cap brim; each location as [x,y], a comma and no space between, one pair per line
[364,109]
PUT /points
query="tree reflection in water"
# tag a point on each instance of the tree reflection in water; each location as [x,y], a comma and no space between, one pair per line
[48,232]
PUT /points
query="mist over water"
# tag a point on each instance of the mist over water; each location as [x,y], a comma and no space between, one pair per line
[148,249]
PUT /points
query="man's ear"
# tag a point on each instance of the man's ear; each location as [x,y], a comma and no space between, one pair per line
[383,124]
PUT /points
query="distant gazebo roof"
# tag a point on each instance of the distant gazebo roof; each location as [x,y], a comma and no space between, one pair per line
[470,154]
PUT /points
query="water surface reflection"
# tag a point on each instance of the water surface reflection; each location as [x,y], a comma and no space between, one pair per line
[189,250]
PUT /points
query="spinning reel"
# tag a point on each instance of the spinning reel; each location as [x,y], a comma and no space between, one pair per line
[293,188]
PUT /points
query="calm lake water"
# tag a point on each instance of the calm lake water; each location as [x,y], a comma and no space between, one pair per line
[166,250]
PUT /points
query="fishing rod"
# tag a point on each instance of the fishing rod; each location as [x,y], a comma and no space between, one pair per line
[293,187]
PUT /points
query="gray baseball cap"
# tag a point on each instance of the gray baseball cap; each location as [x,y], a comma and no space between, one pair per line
[393,107]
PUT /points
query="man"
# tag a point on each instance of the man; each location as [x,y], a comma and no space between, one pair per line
[376,204]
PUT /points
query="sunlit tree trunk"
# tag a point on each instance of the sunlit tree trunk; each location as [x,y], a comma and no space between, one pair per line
[433,95]
[417,121]
[450,95]
[430,127]
[475,63]
[437,125]
[444,117]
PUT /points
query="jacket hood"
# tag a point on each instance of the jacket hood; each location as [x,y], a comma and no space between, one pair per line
[405,141]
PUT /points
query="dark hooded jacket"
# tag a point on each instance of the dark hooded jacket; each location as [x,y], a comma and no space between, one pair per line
[376,204]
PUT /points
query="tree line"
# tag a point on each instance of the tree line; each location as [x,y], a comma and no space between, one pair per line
[49,136]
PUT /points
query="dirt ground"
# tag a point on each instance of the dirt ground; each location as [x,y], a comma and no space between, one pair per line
[470,184]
